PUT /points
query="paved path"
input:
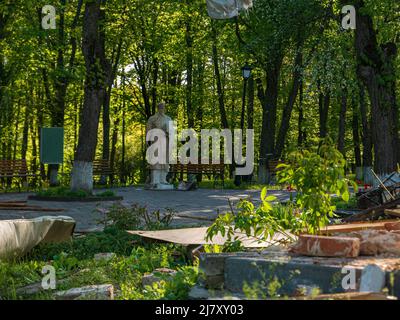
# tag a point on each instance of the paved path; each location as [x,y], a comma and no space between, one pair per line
[197,207]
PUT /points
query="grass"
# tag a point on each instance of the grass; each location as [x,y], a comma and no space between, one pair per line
[75,264]
[66,192]
[343,205]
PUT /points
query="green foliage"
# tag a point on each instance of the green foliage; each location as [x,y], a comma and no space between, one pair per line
[339,203]
[136,217]
[75,265]
[63,192]
[260,222]
[315,174]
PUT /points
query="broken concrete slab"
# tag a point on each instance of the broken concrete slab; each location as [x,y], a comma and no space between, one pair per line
[323,246]
[212,266]
[18,237]
[376,242]
[373,279]
[158,275]
[292,273]
[198,293]
[95,292]
[106,256]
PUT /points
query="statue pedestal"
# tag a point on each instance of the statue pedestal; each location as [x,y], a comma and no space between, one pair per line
[161,186]
[158,181]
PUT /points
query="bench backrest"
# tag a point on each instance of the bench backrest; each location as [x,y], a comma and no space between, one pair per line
[198,168]
[13,167]
[272,165]
[101,166]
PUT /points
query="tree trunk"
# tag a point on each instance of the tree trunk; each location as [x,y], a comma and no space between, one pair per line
[221,99]
[111,72]
[250,104]
[324,101]
[189,73]
[95,62]
[268,99]
[287,111]
[342,124]
[366,130]
[375,68]
[301,136]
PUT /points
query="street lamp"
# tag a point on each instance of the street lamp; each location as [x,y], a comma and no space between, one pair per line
[246,74]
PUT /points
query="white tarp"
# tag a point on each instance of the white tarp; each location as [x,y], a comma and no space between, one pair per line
[17,237]
[226,9]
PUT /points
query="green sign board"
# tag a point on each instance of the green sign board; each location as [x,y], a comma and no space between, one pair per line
[52,145]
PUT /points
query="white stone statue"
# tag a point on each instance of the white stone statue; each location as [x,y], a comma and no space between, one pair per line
[159,172]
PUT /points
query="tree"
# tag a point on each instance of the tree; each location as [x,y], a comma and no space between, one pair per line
[93,48]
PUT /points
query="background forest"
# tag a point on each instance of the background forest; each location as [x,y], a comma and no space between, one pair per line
[310,78]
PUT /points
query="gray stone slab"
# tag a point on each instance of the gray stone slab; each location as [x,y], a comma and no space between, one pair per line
[296,273]
[290,277]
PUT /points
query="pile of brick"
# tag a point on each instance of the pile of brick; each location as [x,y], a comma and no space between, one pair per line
[363,242]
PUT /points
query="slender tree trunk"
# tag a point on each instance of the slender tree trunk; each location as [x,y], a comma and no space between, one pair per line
[220,91]
[356,135]
[111,72]
[250,106]
[189,73]
[93,48]
[324,101]
[301,136]
[366,130]
[287,111]
[342,124]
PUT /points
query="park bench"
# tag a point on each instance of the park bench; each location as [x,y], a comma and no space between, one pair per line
[272,166]
[102,167]
[10,169]
[214,171]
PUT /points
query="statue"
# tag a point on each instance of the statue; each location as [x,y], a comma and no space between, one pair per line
[158,172]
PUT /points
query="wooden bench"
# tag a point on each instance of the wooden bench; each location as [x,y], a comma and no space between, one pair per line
[102,168]
[210,170]
[272,166]
[10,169]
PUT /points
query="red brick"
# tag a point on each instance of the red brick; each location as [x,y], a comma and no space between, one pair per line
[392,226]
[322,246]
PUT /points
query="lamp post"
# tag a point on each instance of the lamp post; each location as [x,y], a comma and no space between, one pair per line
[246,74]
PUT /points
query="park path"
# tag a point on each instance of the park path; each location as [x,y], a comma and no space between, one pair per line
[193,208]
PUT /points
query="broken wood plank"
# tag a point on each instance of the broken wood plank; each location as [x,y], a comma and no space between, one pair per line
[31,209]
[373,212]
[13,204]
[393,212]
[13,201]
[350,227]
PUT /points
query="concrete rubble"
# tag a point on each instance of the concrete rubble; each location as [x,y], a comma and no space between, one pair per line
[95,292]
[158,275]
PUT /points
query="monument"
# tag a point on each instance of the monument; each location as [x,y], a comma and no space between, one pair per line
[158,172]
